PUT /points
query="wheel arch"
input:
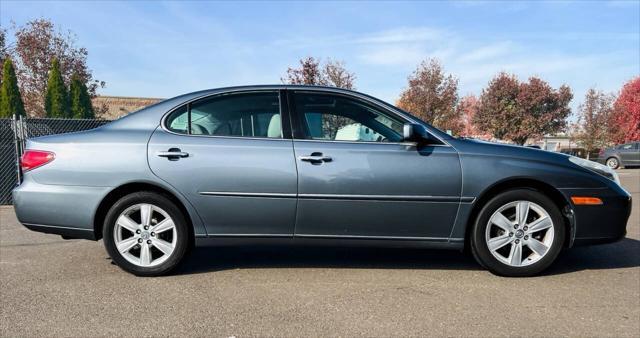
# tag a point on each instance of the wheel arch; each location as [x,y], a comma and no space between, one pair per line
[132,187]
[548,190]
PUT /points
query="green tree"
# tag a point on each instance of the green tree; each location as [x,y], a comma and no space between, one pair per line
[10,98]
[4,50]
[79,99]
[56,102]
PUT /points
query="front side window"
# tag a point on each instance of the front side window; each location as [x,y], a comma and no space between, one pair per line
[337,118]
[244,115]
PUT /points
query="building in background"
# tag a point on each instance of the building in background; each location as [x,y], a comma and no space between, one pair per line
[563,143]
[557,142]
[113,107]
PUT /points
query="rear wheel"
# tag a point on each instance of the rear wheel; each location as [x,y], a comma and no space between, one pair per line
[613,163]
[146,234]
[518,233]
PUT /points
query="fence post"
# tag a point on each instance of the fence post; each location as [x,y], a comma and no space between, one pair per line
[17,145]
[23,134]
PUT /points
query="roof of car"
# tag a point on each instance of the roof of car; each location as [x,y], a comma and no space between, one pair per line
[273,86]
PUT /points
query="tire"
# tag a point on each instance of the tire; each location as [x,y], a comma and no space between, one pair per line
[502,259]
[613,163]
[143,252]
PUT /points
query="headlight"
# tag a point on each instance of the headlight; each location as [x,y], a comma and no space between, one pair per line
[597,168]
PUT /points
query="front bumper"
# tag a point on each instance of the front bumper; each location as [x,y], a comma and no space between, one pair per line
[58,209]
[599,224]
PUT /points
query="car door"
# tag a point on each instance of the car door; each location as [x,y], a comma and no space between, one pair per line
[231,158]
[635,155]
[628,153]
[357,179]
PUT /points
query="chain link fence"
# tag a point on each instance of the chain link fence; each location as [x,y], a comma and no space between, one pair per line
[13,136]
[8,155]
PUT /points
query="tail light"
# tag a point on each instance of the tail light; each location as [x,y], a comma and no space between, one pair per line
[32,159]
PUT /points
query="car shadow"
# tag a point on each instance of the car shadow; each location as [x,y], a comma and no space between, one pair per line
[208,259]
[623,254]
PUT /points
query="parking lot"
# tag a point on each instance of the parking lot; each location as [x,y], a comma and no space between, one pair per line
[54,287]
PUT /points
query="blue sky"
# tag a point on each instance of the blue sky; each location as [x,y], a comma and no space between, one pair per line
[164,49]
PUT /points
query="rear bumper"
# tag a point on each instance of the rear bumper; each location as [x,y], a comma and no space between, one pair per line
[58,209]
[599,224]
[65,232]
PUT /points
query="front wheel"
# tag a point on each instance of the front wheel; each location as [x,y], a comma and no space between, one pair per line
[613,163]
[146,234]
[518,233]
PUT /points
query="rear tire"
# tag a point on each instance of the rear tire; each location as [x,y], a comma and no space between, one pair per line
[518,233]
[146,234]
[613,163]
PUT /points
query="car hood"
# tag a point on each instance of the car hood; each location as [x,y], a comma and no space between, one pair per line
[478,147]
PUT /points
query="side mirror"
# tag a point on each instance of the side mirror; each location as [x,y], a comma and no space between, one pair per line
[412,132]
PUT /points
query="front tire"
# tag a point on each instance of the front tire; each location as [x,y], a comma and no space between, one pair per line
[613,163]
[518,233]
[146,234]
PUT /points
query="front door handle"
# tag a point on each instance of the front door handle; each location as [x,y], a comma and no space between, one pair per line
[172,154]
[315,158]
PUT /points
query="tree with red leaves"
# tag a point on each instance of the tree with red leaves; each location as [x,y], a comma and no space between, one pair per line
[625,121]
[432,95]
[517,111]
[468,107]
[37,44]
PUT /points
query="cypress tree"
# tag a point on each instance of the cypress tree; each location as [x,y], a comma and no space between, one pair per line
[56,102]
[79,98]
[10,98]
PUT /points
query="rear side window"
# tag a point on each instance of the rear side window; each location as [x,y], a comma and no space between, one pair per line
[241,115]
[627,146]
[178,121]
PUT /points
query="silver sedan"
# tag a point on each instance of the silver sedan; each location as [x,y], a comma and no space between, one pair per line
[309,165]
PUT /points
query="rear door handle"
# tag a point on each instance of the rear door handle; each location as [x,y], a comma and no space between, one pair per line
[172,154]
[315,158]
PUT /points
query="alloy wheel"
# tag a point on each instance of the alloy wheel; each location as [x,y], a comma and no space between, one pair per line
[612,163]
[145,235]
[519,233]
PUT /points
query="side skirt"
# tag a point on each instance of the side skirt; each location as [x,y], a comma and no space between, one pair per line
[331,241]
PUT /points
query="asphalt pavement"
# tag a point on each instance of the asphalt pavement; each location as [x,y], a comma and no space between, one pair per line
[55,287]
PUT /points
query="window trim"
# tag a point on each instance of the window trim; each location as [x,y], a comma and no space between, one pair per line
[299,133]
[284,127]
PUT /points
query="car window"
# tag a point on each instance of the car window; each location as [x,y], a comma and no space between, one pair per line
[248,115]
[627,146]
[337,118]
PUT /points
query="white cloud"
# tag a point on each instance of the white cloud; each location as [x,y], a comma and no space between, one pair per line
[402,35]
[393,55]
[488,52]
